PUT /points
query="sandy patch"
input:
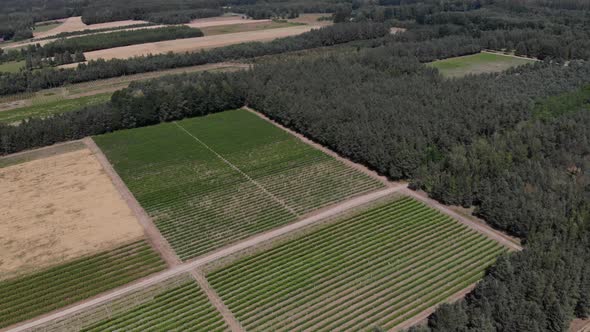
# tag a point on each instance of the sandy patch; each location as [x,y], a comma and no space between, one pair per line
[195,44]
[76,24]
[58,208]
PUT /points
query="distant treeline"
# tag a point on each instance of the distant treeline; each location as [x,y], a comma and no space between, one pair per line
[158,11]
[11,83]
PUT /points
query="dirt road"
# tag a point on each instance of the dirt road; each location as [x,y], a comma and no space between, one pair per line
[152,233]
[192,265]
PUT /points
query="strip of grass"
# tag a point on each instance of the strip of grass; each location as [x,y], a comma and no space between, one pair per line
[29,296]
[44,110]
[233,28]
[46,27]
[12,67]
[479,63]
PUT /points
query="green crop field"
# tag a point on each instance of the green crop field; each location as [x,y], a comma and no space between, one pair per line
[376,268]
[199,202]
[181,308]
[32,295]
[43,110]
[477,64]
[12,67]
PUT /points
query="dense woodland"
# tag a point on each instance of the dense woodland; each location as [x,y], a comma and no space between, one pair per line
[514,145]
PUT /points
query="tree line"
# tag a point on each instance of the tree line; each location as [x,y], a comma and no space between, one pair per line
[11,83]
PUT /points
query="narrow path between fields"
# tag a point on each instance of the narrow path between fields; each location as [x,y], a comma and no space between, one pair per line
[213,256]
[152,233]
[236,168]
[217,302]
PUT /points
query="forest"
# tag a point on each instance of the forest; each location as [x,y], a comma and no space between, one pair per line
[514,146]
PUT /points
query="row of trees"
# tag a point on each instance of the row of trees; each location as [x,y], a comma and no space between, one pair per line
[117,39]
[11,83]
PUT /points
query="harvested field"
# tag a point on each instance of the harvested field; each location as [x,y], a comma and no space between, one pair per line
[479,63]
[196,44]
[377,268]
[214,180]
[35,294]
[58,205]
[75,24]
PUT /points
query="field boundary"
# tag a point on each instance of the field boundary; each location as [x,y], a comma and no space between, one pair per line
[153,235]
[236,168]
[217,302]
[423,316]
[215,255]
[480,228]
[384,180]
[509,55]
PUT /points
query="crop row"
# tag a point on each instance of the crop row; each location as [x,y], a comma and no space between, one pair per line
[376,268]
[201,203]
[182,308]
[41,292]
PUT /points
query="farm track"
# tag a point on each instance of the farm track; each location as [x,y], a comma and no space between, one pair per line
[206,259]
[227,315]
[154,237]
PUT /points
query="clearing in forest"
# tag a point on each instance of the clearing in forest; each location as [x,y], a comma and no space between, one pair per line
[214,180]
[378,267]
[479,63]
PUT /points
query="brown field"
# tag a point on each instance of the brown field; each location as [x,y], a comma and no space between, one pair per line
[57,207]
[196,44]
[76,24]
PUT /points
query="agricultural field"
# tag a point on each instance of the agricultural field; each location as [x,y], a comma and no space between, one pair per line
[256,26]
[12,67]
[44,110]
[376,268]
[75,24]
[27,297]
[47,26]
[181,308]
[57,244]
[479,63]
[214,180]
[196,44]
[46,97]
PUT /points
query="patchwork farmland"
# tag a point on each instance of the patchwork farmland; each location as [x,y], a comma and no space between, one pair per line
[211,181]
[376,268]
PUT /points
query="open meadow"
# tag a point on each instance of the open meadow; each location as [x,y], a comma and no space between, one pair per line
[376,268]
[57,244]
[479,63]
[214,180]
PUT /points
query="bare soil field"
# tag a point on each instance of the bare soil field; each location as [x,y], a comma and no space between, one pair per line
[76,24]
[58,208]
[196,44]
